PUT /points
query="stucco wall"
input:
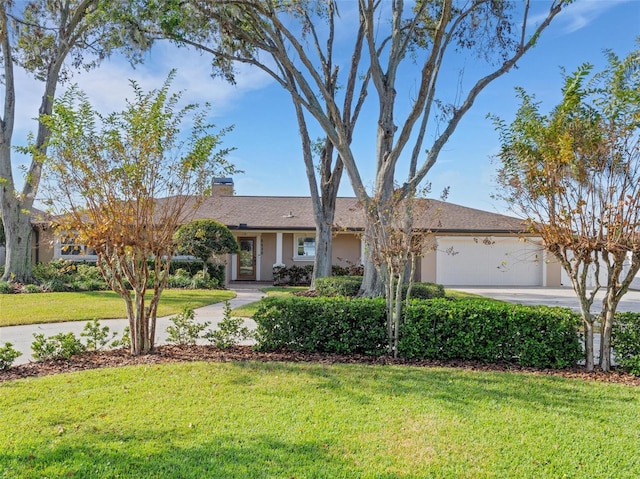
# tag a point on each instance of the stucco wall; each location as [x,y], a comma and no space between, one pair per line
[346,249]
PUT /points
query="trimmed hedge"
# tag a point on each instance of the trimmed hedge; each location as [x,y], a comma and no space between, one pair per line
[491,331]
[625,340]
[336,325]
[484,330]
[338,286]
[424,291]
[350,286]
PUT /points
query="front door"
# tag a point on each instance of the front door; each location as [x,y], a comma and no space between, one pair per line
[247,259]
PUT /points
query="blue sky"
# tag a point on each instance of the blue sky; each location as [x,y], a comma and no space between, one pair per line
[265,132]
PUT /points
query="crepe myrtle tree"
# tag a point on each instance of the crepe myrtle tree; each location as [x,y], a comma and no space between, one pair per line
[204,238]
[123,183]
[395,49]
[574,176]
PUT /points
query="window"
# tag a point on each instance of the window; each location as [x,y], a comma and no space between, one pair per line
[304,247]
[71,249]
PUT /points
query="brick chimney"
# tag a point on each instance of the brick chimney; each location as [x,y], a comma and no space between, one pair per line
[222,187]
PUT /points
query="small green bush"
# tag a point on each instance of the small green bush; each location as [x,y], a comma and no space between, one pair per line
[8,355]
[55,285]
[338,286]
[5,288]
[424,291]
[184,328]
[31,288]
[330,325]
[97,337]
[625,340]
[59,346]
[124,341]
[230,331]
[491,331]
[293,275]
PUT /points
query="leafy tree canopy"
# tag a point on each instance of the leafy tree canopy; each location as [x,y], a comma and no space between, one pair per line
[202,238]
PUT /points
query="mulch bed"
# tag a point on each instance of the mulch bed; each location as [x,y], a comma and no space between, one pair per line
[174,354]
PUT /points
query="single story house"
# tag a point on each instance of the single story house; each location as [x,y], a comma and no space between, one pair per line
[468,246]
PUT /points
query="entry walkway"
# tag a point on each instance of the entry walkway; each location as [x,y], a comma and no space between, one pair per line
[22,336]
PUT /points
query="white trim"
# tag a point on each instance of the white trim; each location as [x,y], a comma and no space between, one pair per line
[258,253]
[234,267]
[278,250]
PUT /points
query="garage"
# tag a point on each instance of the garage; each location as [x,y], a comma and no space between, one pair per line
[488,261]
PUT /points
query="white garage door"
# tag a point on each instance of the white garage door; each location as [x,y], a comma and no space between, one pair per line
[488,261]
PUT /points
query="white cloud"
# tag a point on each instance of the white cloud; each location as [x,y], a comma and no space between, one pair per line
[107,87]
[580,14]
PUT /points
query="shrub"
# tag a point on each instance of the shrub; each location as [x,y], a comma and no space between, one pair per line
[8,355]
[31,288]
[124,341]
[625,340]
[59,346]
[338,286]
[184,328]
[230,330]
[482,330]
[491,331]
[424,291]
[55,285]
[329,325]
[97,337]
[5,288]
[293,275]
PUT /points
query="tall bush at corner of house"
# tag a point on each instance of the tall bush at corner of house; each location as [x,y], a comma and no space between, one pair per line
[625,340]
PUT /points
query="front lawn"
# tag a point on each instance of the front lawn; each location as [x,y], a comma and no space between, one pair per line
[85,306]
[280,420]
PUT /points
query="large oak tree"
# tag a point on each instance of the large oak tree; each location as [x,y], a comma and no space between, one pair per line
[389,44]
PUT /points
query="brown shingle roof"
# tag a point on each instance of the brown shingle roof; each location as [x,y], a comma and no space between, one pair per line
[296,213]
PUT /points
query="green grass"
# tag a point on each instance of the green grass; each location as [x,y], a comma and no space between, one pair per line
[249,309]
[56,307]
[452,293]
[280,420]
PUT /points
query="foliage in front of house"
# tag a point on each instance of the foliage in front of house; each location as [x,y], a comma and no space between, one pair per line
[491,331]
[63,275]
[350,286]
[293,275]
[301,275]
[324,325]
[625,339]
[481,330]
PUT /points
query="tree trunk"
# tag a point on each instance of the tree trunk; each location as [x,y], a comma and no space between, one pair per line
[324,250]
[605,339]
[18,232]
[372,284]
[588,345]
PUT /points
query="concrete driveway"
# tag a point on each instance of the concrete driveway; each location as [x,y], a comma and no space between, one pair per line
[564,297]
